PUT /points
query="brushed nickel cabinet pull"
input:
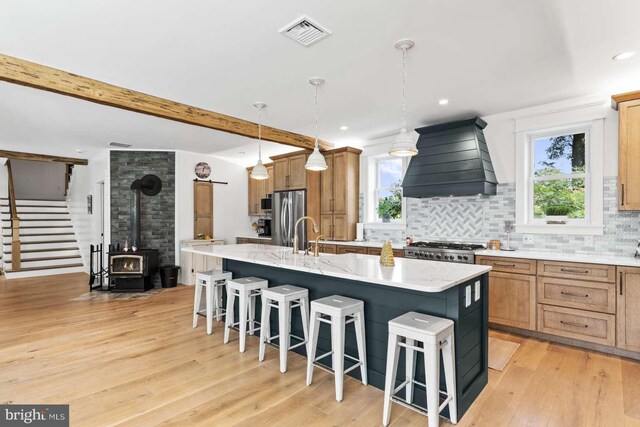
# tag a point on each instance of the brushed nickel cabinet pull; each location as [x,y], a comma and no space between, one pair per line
[621,283]
[622,194]
[571,294]
[577,325]
[572,270]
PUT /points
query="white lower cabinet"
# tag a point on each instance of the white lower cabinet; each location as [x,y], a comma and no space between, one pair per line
[193,263]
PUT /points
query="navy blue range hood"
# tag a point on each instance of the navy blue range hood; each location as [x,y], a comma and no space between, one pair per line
[452,160]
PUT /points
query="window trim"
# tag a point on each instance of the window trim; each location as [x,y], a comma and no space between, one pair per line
[377,188]
[593,222]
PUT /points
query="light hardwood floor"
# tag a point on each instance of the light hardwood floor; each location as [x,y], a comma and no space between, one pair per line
[139,363]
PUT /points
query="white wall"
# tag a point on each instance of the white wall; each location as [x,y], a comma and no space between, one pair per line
[229,201]
[38,180]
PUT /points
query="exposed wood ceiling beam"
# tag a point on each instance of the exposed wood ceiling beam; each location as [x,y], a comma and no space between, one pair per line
[25,73]
[42,158]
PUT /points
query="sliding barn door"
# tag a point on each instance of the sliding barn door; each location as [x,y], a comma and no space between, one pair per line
[202,208]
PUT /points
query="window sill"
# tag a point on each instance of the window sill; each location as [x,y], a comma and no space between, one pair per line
[588,230]
[386,225]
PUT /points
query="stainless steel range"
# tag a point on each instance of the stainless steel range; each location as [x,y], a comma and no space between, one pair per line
[443,251]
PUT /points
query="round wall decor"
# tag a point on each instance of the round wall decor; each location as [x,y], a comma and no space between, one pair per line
[203,170]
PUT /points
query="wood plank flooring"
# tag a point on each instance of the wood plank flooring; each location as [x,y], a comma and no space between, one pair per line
[140,363]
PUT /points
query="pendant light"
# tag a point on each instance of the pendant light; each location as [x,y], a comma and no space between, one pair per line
[259,171]
[316,161]
[404,144]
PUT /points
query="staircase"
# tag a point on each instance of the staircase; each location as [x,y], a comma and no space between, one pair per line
[48,242]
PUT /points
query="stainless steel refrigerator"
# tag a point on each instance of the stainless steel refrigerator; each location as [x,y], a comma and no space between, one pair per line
[287,208]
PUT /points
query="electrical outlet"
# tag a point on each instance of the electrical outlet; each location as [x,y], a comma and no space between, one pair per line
[467,296]
[527,238]
[588,240]
[476,296]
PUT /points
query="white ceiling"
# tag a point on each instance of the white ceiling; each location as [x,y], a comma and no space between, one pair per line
[485,57]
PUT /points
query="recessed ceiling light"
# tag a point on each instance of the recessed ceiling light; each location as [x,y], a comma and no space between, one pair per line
[344,127]
[79,150]
[120,144]
[624,55]
[443,102]
[241,152]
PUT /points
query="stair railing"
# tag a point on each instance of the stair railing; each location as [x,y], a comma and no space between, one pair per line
[15,223]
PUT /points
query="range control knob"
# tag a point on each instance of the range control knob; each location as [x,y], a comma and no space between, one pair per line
[438,256]
[459,256]
[465,258]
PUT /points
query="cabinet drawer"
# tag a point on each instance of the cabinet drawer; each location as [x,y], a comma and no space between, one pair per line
[327,249]
[593,296]
[350,250]
[572,270]
[509,265]
[598,328]
[398,253]
[241,240]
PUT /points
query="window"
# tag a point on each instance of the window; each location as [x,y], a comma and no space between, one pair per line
[388,189]
[559,177]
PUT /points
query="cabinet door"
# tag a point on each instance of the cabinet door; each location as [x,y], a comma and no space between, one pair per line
[341,227]
[628,313]
[200,263]
[202,208]
[254,197]
[297,172]
[629,156]
[340,183]
[326,187]
[241,240]
[280,174]
[270,180]
[326,226]
[512,300]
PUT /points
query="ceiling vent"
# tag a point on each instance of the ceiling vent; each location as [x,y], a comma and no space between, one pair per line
[120,144]
[305,31]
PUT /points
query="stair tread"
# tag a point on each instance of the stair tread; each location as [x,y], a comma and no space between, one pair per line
[53,258]
[41,234]
[41,219]
[39,213]
[35,200]
[18,205]
[48,267]
[29,227]
[48,241]
[30,251]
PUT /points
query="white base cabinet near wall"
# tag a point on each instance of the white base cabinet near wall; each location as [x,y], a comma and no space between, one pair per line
[193,263]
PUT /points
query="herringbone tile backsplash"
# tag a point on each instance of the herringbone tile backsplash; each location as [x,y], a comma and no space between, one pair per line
[480,219]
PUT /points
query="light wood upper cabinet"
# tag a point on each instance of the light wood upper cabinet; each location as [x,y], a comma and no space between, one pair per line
[289,172]
[629,156]
[339,193]
[628,312]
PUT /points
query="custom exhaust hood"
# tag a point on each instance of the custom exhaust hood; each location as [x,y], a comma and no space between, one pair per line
[452,160]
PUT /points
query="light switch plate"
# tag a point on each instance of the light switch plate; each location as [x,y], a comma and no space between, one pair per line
[467,296]
[588,241]
[527,238]
[476,297]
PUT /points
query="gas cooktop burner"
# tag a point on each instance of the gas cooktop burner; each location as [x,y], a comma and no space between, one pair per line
[447,245]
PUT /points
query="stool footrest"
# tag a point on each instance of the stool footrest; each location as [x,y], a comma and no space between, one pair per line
[357,365]
[414,407]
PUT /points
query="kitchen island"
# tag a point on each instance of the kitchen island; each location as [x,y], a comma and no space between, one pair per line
[454,291]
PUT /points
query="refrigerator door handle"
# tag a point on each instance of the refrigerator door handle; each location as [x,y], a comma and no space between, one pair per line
[283,238]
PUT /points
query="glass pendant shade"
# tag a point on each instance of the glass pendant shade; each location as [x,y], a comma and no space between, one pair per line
[259,171]
[316,161]
[403,145]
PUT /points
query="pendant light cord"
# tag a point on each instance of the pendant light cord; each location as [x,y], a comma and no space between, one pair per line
[316,114]
[404,78]
[260,134]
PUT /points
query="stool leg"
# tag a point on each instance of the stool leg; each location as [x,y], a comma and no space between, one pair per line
[362,347]
[264,324]
[304,312]
[209,297]
[393,351]
[313,344]
[228,318]
[337,345]
[283,327]
[217,296]
[252,313]
[410,364]
[432,374]
[448,355]
[196,303]
[244,307]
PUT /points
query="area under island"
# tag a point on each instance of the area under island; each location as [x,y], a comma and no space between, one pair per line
[454,291]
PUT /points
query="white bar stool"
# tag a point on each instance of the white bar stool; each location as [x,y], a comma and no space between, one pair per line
[247,290]
[337,311]
[284,298]
[212,281]
[435,334]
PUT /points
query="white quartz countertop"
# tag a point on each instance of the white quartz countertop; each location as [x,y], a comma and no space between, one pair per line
[413,274]
[255,236]
[364,244]
[626,261]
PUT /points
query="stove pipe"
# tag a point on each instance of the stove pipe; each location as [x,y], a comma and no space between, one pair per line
[135,216]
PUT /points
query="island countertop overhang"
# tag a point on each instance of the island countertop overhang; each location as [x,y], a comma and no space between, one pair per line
[411,274]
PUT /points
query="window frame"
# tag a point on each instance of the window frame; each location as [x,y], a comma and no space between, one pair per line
[592,224]
[377,189]
[532,179]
